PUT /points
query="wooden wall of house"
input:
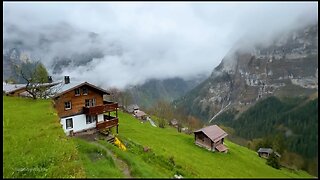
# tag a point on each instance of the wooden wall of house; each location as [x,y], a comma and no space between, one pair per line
[77,102]
[264,155]
[203,139]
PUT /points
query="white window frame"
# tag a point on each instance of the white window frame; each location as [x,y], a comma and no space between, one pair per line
[91,119]
[93,102]
[90,102]
[77,90]
[85,102]
[67,123]
[65,105]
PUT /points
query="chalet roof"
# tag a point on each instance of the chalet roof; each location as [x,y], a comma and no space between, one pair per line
[277,154]
[12,87]
[139,113]
[74,85]
[268,150]
[8,88]
[132,107]
[265,150]
[174,121]
[214,132]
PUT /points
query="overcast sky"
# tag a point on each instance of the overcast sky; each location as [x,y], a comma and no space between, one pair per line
[154,40]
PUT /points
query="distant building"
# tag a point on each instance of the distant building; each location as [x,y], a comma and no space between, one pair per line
[140,114]
[132,107]
[21,89]
[265,152]
[174,123]
[211,137]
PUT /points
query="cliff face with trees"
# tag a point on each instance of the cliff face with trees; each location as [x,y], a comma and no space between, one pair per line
[266,90]
[288,125]
[286,67]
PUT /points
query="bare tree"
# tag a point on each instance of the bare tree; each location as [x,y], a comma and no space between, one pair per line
[126,98]
[194,123]
[115,94]
[164,111]
[36,77]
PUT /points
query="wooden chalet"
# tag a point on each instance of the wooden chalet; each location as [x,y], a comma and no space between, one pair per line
[211,138]
[174,123]
[81,107]
[140,114]
[132,108]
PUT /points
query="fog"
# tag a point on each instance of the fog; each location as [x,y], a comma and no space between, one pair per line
[139,41]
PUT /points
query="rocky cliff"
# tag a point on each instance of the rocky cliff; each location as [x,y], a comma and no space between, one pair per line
[286,67]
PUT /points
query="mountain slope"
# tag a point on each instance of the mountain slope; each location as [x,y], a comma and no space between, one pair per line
[169,89]
[265,91]
[297,123]
[287,67]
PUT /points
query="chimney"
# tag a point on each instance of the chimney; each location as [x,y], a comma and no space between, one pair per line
[49,79]
[66,80]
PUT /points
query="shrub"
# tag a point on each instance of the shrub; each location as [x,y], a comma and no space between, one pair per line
[273,161]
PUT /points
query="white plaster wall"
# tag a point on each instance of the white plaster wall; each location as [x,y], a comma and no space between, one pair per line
[79,123]
[100,117]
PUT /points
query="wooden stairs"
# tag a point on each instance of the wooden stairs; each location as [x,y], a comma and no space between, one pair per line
[109,137]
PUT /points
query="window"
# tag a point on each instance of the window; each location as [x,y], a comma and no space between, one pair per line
[77,92]
[69,123]
[90,102]
[67,105]
[84,91]
[87,103]
[93,103]
[91,119]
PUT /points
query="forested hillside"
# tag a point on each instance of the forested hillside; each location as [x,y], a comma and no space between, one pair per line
[294,121]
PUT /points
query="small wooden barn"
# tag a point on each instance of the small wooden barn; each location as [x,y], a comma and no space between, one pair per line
[211,137]
[174,123]
[265,152]
[132,107]
[140,114]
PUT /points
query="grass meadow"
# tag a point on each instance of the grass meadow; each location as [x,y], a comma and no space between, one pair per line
[34,145]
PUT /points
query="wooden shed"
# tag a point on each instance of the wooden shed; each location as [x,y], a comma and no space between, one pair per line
[211,137]
[265,152]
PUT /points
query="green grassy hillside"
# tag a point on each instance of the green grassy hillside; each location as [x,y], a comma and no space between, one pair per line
[34,144]
[191,160]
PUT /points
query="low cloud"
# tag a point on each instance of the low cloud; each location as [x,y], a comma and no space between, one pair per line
[140,41]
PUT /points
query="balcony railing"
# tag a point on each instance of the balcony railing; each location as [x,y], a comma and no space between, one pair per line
[100,109]
[108,122]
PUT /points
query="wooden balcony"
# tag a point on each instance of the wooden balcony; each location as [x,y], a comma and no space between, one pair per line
[95,110]
[108,122]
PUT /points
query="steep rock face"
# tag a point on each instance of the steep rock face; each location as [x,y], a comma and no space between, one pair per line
[287,67]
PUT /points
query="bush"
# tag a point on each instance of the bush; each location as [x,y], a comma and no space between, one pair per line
[273,161]
[162,123]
